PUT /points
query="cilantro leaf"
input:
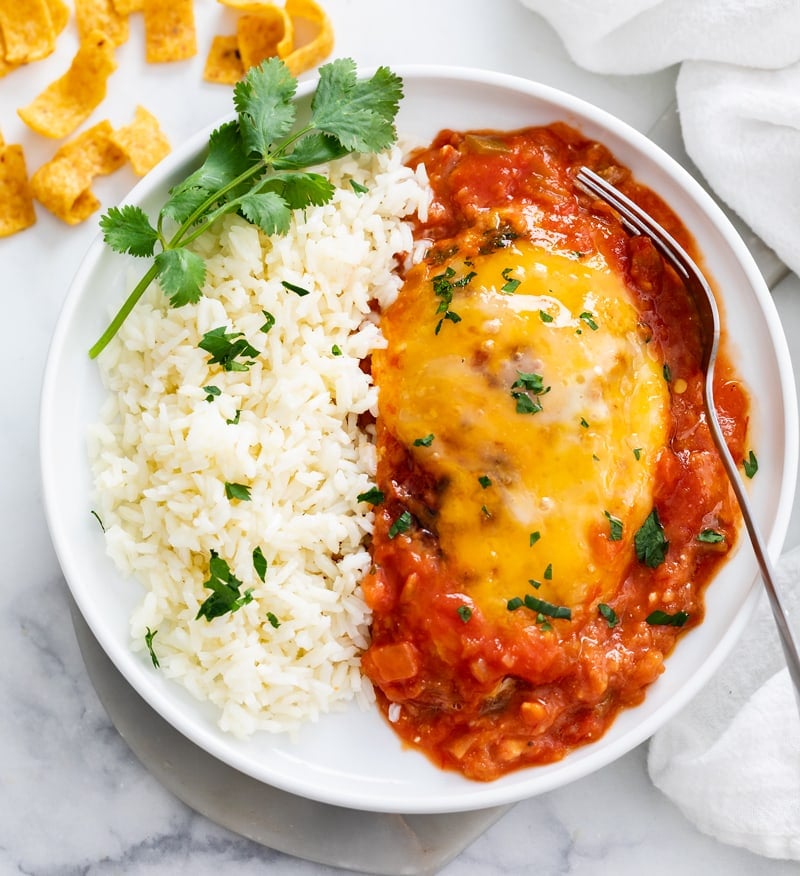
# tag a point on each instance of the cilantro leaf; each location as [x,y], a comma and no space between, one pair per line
[263,100]
[359,114]
[181,274]
[662,618]
[300,190]
[127,229]
[260,563]
[268,211]
[225,587]
[650,542]
[237,491]
[226,347]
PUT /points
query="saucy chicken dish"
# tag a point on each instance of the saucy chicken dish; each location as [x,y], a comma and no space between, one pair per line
[551,502]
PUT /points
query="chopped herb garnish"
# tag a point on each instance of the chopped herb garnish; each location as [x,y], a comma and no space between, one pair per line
[615,527]
[255,166]
[97,518]
[588,317]
[464,612]
[637,452]
[424,442]
[515,603]
[336,350]
[270,321]
[402,524]
[650,542]
[711,536]
[358,188]
[373,495]
[149,635]
[485,481]
[211,392]
[234,421]
[584,423]
[548,572]
[301,291]
[444,287]
[237,491]
[534,537]
[661,618]
[485,511]
[544,316]
[750,464]
[226,347]
[511,285]
[225,585]
[273,621]
[534,583]
[608,613]
[528,382]
[667,371]
[539,605]
[260,563]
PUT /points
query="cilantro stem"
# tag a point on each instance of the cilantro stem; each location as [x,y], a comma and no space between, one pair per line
[122,314]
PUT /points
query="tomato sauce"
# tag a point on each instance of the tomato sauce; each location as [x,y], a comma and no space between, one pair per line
[477,683]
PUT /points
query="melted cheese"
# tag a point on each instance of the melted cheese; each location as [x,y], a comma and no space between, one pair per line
[554,476]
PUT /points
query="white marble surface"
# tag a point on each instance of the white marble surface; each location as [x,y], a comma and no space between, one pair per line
[73,798]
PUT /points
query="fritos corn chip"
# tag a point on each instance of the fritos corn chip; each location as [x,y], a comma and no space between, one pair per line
[101,15]
[16,197]
[313,33]
[169,30]
[62,185]
[264,34]
[126,7]
[143,141]
[59,14]
[28,30]
[224,62]
[68,101]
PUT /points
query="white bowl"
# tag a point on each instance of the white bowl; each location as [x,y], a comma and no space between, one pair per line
[354,759]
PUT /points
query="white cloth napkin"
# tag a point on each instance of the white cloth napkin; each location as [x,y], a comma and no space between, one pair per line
[731,760]
[738,90]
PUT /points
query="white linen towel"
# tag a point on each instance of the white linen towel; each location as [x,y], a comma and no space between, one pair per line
[731,760]
[738,90]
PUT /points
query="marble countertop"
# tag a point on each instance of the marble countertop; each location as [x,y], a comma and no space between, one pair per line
[75,799]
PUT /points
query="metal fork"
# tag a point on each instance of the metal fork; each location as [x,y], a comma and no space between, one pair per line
[637,222]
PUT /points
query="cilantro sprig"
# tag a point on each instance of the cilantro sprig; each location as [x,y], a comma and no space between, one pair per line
[255,166]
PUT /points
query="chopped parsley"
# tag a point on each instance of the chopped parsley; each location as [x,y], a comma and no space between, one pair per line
[548,572]
[615,527]
[511,285]
[373,495]
[336,350]
[211,392]
[608,613]
[234,421]
[750,464]
[225,586]
[402,524]
[300,291]
[710,536]
[588,317]
[544,316]
[424,442]
[237,491]
[637,452]
[464,612]
[260,563]
[534,537]
[149,635]
[269,321]
[528,382]
[650,542]
[667,371]
[584,423]
[444,287]
[226,348]
[358,188]
[663,619]
[485,481]
[273,621]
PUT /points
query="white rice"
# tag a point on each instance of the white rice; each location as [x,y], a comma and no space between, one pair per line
[162,454]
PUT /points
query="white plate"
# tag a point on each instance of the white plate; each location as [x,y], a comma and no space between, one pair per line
[353,759]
